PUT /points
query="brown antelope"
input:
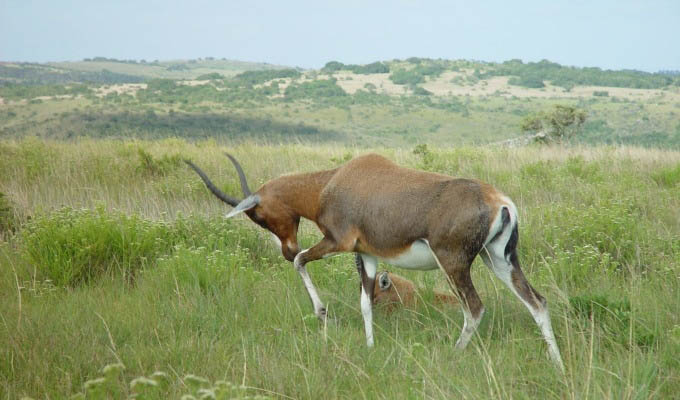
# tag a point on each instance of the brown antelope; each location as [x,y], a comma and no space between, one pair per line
[391,290]
[408,218]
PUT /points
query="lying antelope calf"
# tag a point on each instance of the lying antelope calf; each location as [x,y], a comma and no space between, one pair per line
[391,290]
[408,218]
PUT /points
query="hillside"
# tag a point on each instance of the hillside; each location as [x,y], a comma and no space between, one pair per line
[392,103]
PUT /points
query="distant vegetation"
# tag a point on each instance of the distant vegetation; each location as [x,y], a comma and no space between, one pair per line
[398,102]
[314,89]
[559,124]
[152,125]
[533,75]
[38,74]
[15,92]
[373,68]
[417,74]
[251,78]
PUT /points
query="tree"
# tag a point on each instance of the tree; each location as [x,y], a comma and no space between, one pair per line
[557,125]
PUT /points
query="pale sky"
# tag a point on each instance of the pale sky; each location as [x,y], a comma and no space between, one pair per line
[611,34]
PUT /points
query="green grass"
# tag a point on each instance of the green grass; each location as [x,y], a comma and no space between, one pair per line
[213,299]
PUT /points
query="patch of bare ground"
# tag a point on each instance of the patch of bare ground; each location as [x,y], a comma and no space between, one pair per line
[126,88]
[381,83]
[193,82]
[455,84]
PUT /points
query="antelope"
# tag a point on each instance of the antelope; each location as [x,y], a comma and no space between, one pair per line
[408,218]
[391,290]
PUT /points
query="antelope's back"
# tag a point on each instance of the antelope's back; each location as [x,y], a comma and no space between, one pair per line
[392,206]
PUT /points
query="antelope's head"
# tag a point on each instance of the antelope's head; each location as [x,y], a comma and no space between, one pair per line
[265,207]
[391,289]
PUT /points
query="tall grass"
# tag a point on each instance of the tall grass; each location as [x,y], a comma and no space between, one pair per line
[121,256]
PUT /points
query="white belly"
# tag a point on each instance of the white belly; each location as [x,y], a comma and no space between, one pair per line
[418,256]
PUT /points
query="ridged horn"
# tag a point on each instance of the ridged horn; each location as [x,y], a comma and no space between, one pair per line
[241,175]
[217,192]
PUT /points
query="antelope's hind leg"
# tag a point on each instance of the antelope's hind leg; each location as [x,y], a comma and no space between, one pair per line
[501,256]
[456,265]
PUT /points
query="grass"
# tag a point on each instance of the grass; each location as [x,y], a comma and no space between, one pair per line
[212,306]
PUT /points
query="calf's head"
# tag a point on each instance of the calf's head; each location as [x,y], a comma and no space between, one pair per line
[391,290]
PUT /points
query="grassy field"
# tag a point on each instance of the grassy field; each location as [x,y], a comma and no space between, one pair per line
[119,277]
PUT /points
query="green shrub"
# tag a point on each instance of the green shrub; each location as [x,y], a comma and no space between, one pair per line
[406,77]
[420,91]
[157,166]
[314,89]
[71,247]
[210,76]
[667,177]
[251,78]
[532,82]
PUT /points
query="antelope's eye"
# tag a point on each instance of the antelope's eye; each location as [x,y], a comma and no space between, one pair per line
[384,281]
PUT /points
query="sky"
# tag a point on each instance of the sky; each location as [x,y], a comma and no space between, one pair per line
[623,34]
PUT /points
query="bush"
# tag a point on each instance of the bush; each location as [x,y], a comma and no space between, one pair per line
[420,91]
[73,247]
[668,177]
[406,77]
[157,167]
[532,82]
[558,124]
[314,89]
[372,68]
[251,78]
[210,76]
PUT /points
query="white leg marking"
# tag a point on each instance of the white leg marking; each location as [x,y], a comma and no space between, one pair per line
[542,318]
[493,256]
[319,309]
[470,323]
[370,267]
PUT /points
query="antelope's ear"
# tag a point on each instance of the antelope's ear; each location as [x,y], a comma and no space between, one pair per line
[384,281]
[246,204]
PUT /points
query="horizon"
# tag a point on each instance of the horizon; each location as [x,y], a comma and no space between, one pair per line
[143,61]
[611,35]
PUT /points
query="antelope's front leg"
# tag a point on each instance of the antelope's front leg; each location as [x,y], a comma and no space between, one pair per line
[325,246]
[367,267]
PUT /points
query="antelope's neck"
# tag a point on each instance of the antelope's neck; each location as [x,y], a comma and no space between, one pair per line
[302,192]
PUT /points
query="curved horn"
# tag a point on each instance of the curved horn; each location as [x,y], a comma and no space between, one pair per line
[241,175]
[217,192]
